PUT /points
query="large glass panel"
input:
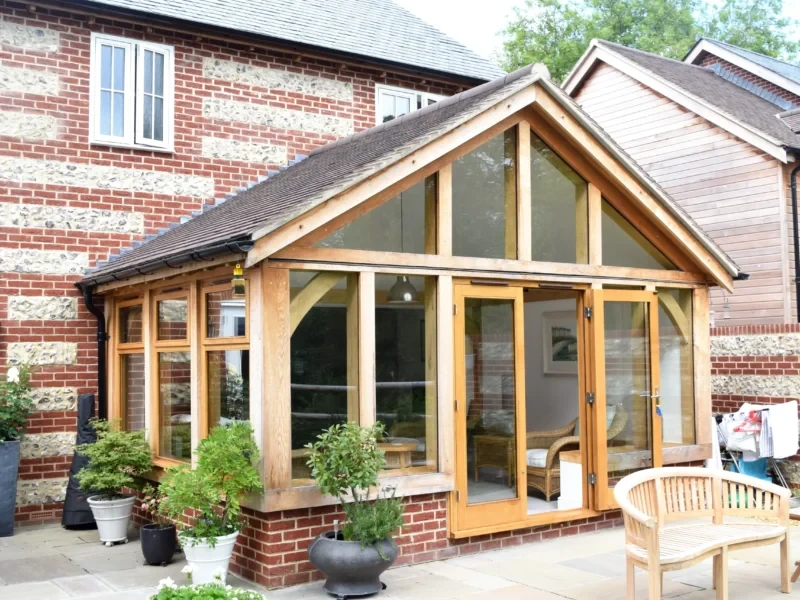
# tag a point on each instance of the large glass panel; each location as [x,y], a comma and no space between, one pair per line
[628,375]
[491,399]
[405,223]
[106,53]
[119,69]
[172,319]
[625,246]
[228,386]
[225,315]
[119,114]
[105,113]
[130,324]
[559,208]
[175,405]
[405,369]
[132,387]
[676,360]
[484,199]
[324,357]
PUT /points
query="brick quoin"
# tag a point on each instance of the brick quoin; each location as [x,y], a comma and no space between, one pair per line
[707,60]
[70,144]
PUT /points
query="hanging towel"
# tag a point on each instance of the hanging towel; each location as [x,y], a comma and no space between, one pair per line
[765,445]
[783,423]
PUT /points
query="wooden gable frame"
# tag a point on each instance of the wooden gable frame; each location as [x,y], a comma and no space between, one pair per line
[537,107]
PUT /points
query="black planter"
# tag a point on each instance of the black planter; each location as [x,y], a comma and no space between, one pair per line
[9,464]
[351,570]
[158,544]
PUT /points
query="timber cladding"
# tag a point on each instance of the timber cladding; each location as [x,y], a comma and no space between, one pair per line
[65,203]
[733,190]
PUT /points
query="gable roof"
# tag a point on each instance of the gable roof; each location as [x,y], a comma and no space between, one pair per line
[779,67]
[721,101]
[377,29]
[337,167]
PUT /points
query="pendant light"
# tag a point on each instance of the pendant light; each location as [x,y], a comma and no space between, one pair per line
[403,291]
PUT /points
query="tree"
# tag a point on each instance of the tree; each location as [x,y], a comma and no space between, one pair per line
[557,32]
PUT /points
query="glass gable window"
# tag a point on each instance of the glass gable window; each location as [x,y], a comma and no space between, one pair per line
[405,223]
[405,370]
[485,199]
[625,246]
[130,324]
[131,100]
[559,208]
[323,358]
[676,360]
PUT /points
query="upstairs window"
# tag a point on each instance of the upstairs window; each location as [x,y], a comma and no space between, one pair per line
[395,102]
[131,93]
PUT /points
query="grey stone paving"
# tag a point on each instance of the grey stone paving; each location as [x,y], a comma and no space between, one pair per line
[49,563]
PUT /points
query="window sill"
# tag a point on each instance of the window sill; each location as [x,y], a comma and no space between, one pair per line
[675,455]
[309,496]
[122,146]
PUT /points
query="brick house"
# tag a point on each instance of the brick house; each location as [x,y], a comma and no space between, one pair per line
[119,121]
[718,131]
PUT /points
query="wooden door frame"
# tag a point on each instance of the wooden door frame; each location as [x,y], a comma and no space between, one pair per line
[604,497]
[495,513]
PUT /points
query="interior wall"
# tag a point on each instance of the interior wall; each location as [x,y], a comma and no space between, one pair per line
[551,400]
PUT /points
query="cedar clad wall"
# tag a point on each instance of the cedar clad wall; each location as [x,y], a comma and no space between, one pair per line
[730,188]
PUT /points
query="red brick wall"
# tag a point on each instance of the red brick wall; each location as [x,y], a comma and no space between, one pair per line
[69,61]
[706,60]
[273,548]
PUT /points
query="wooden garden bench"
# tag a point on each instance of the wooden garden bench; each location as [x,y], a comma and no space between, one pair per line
[652,497]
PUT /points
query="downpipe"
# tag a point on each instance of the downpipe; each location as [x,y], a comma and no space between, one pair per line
[102,338]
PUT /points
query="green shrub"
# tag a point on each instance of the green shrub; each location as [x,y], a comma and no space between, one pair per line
[116,460]
[168,590]
[214,488]
[345,461]
[15,403]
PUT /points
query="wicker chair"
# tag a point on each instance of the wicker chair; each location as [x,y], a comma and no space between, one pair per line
[547,479]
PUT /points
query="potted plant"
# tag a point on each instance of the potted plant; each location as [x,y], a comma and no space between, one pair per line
[216,590]
[116,460]
[345,461]
[15,408]
[158,537]
[224,474]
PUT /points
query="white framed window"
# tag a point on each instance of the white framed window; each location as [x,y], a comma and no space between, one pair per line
[132,99]
[392,102]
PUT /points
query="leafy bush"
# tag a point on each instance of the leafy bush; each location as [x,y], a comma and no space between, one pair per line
[223,476]
[152,498]
[168,590]
[346,460]
[116,460]
[15,403]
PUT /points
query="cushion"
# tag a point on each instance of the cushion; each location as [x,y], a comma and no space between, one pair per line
[536,457]
[611,412]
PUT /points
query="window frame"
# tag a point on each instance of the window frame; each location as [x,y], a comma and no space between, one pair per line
[157,348]
[411,94]
[133,93]
[122,349]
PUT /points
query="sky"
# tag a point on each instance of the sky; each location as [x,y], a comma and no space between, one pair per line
[477,23]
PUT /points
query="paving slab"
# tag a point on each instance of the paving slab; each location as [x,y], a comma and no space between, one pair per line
[82,585]
[34,569]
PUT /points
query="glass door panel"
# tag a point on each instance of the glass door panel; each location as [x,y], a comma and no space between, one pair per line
[490,448]
[627,420]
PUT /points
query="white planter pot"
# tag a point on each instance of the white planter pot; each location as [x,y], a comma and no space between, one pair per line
[205,560]
[112,518]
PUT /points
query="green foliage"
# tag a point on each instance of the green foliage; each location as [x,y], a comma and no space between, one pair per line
[116,459]
[167,590]
[214,488]
[15,403]
[557,32]
[346,460]
[152,498]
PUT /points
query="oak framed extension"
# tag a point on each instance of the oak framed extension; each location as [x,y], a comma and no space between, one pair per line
[504,204]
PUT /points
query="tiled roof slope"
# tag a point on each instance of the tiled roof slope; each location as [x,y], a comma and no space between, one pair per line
[334,168]
[378,29]
[705,84]
[780,67]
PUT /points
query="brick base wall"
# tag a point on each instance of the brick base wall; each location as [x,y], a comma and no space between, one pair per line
[273,547]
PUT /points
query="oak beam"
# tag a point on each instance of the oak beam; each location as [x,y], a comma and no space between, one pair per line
[524,218]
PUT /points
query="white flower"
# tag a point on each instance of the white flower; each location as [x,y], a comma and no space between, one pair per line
[187,569]
[166,583]
[218,575]
[12,376]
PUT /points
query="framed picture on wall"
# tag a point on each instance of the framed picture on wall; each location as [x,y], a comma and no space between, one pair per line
[560,344]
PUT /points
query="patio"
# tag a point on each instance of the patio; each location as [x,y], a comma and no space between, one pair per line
[49,563]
